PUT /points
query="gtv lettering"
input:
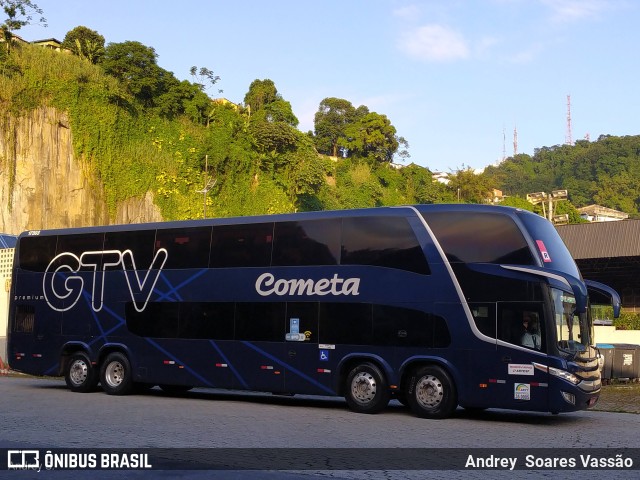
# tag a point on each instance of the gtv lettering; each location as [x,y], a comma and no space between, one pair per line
[63,285]
[267,284]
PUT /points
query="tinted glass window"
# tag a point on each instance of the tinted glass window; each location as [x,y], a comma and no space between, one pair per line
[207,320]
[37,252]
[158,319]
[348,323]
[520,324]
[399,326]
[260,322]
[382,241]
[551,249]
[479,237]
[79,244]
[406,327]
[140,243]
[242,245]
[313,242]
[186,248]
[182,320]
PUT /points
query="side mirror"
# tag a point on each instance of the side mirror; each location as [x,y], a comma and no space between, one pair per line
[604,294]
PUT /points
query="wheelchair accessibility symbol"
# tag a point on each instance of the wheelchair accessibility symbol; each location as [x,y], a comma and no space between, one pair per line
[324,355]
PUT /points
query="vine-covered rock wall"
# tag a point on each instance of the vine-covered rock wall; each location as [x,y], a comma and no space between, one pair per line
[43,185]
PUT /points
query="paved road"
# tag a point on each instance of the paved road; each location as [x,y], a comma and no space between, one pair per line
[39,413]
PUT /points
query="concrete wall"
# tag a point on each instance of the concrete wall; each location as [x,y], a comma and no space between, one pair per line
[609,334]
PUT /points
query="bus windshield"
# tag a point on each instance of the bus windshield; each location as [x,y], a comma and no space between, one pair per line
[573,329]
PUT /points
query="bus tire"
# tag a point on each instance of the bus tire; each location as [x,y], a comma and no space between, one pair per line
[80,375]
[115,375]
[432,393]
[366,389]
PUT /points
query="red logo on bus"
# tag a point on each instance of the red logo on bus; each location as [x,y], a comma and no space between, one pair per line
[543,251]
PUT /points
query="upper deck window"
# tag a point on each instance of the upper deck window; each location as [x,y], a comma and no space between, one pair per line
[310,242]
[470,237]
[187,248]
[383,242]
[242,245]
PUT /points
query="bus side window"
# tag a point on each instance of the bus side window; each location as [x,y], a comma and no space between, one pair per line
[520,325]
[186,248]
[140,242]
[242,245]
[36,252]
[382,241]
[312,242]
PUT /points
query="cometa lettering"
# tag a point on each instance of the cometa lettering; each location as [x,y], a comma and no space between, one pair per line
[267,284]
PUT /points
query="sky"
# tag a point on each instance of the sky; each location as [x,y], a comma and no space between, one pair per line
[460,80]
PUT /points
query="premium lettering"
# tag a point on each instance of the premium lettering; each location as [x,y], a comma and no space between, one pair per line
[267,284]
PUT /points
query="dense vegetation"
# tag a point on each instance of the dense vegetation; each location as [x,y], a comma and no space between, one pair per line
[157,134]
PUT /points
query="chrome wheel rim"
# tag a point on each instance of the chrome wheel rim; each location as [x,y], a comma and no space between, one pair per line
[363,387]
[429,392]
[78,372]
[114,374]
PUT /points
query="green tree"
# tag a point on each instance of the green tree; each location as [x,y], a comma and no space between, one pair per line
[19,14]
[261,93]
[331,120]
[372,136]
[134,64]
[279,111]
[85,43]
[420,187]
[469,186]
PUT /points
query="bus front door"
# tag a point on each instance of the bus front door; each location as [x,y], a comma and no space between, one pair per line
[502,373]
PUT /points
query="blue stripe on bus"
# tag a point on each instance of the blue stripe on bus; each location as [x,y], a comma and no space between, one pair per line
[226,360]
[176,359]
[174,290]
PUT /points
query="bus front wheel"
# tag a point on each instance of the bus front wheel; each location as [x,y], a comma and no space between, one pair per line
[432,393]
[115,375]
[80,375]
[366,389]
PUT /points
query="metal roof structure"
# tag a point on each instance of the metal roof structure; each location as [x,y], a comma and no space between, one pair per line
[602,239]
[608,252]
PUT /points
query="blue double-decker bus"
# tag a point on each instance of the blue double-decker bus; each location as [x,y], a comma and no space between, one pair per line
[437,306]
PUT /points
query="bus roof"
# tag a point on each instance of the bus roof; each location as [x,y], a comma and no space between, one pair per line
[283,217]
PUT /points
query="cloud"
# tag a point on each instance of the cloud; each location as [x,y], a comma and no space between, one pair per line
[570,10]
[408,12]
[434,43]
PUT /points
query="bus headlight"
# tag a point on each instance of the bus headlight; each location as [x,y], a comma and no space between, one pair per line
[564,375]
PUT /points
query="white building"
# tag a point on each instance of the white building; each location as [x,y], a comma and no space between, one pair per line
[596,213]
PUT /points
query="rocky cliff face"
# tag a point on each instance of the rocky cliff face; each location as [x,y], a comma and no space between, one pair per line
[43,186]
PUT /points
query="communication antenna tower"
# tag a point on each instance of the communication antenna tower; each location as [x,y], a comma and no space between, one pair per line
[515,141]
[569,139]
[504,144]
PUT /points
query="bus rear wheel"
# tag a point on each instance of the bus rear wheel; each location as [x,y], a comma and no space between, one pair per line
[80,375]
[432,393]
[366,389]
[115,375]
